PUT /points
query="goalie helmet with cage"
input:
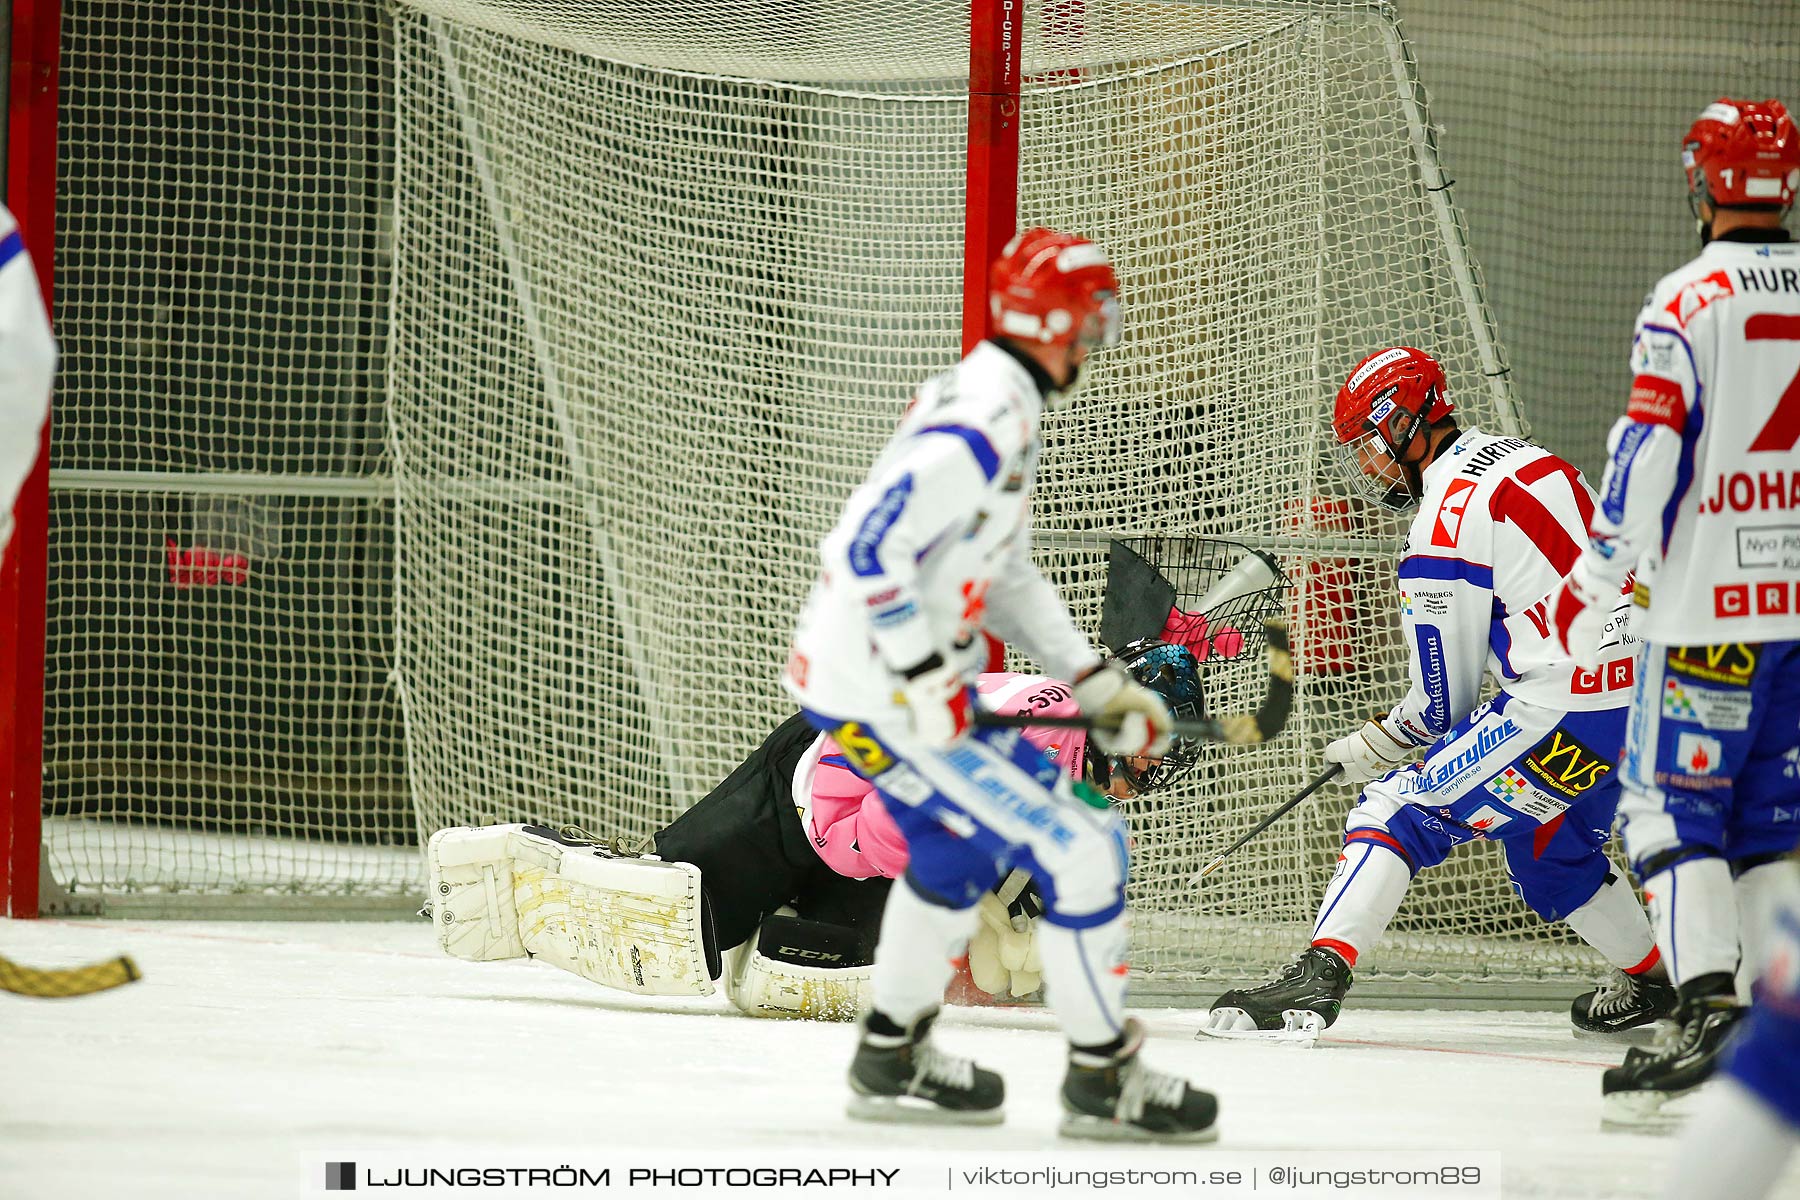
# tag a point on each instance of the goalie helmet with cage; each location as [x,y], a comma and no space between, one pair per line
[1390,399]
[1742,154]
[1055,289]
[1172,672]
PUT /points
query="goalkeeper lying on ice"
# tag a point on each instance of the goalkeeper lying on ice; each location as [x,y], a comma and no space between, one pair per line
[775,881]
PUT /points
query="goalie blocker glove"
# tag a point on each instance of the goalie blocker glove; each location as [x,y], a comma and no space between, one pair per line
[1369,753]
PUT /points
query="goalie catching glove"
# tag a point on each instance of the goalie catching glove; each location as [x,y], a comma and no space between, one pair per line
[1003,954]
[1130,720]
[1369,753]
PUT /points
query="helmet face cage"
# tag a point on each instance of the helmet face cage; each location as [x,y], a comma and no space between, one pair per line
[1171,672]
[1389,484]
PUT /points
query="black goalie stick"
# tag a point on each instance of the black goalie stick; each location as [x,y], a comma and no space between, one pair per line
[1326,776]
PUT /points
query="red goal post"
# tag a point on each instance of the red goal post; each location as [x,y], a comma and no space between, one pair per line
[635,300]
[31,195]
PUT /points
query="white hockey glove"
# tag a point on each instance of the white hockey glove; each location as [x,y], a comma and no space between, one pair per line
[1144,720]
[1003,954]
[937,701]
[1369,753]
[1579,611]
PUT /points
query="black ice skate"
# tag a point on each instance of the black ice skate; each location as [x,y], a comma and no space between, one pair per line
[1622,1003]
[1303,1002]
[1116,1097]
[904,1078]
[1634,1093]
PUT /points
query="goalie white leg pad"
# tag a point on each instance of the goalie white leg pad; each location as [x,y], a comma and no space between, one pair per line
[801,969]
[635,924]
[472,892]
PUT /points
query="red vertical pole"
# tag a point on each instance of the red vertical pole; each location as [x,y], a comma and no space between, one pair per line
[991,196]
[31,194]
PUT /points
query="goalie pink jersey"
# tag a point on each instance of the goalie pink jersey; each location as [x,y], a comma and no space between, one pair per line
[843,815]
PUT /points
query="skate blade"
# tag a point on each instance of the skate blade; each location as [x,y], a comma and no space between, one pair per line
[912,1110]
[1642,1035]
[1100,1129]
[1300,1027]
[1641,1112]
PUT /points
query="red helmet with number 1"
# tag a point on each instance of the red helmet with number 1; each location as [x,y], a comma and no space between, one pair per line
[1742,154]
[1390,397]
[1055,289]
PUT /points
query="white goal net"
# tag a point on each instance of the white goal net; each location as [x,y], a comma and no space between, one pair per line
[637,290]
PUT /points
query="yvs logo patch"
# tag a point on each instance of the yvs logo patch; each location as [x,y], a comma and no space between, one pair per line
[1566,766]
[1730,663]
[867,755]
[1448,526]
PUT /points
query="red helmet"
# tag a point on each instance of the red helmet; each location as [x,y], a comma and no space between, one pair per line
[1742,153]
[1388,399]
[1054,288]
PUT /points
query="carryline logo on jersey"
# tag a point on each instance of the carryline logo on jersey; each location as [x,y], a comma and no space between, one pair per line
[1446,774]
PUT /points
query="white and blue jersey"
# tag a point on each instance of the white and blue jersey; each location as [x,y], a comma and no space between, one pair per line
[27,363]
[1701,498]
[934,547]
[1500,522]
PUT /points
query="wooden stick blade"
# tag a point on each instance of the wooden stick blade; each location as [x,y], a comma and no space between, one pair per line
[63,982]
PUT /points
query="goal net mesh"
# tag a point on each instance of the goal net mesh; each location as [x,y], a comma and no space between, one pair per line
[622,300]
[658,299]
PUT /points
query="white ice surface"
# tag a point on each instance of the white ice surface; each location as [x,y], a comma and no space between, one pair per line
[250,1048]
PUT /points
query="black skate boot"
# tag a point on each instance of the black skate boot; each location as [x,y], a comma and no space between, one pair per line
[902,1077]
[1634,1093]
[1302,1002]
[1115,1097]
[1623,1003]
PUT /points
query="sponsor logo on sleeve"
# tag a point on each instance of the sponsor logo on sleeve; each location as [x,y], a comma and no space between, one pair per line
[1729,663]
[1448,526]
[1713,710]
[1565,766]
[1696,294]
[1448,771]
[1697,754]
[1770,597]
[1486,820]
[1522,796]
[1770,546]
[865,752]
[1656,401]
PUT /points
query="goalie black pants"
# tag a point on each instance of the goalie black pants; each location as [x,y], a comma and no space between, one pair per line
[755,856]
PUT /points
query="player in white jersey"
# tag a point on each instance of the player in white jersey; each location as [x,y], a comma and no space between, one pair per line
[1499,521]
[930,549]
[27,363]
[1701,499]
